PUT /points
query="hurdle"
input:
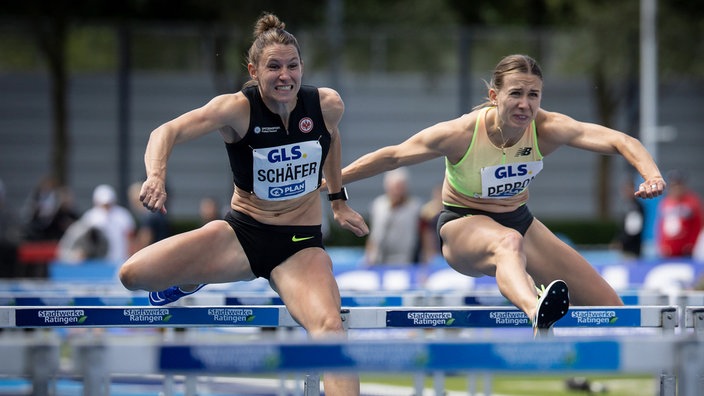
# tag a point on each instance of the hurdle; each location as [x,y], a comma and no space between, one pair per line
[97,357]
[663,317]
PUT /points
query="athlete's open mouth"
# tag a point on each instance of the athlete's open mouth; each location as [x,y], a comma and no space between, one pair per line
[284,88]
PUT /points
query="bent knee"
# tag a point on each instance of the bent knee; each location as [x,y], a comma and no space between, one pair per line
[329,326]
[128,275]
[508,240]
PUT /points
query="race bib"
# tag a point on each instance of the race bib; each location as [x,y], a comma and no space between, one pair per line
[288,171]
[507,180]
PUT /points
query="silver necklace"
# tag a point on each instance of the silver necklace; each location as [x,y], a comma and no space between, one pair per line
[504,140]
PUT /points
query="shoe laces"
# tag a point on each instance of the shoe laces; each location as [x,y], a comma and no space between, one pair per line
[541,290]
[170,293]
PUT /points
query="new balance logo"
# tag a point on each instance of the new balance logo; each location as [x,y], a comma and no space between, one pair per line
[523,151]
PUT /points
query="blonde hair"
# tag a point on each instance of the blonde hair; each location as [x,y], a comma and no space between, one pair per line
[268,30]
[510,64]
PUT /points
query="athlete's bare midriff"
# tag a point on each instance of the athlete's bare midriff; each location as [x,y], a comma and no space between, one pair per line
[503,205]
[305,210]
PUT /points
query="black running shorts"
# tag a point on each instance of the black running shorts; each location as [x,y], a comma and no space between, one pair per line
[267,246]
[520,219]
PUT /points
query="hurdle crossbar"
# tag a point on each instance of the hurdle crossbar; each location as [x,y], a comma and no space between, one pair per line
[355,318]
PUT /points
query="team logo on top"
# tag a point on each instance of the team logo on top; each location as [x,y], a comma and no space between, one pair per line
[259,129]
[305,124]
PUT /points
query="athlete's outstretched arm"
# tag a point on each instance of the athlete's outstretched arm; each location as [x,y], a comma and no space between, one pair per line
[557,129]
[441,139]
[221,111]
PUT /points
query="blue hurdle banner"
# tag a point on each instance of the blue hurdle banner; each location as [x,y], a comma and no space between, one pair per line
[457,318]
[147,317]
[498,317]
[359,317]
[393,356]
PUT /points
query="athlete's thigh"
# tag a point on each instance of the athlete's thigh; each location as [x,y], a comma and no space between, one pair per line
[210,254]
[306,284]
[549,258]
[470,244]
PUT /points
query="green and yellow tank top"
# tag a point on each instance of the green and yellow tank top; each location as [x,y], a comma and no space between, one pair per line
[490,172]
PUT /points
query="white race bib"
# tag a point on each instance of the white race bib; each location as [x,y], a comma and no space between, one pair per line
[507,180]
[288,171]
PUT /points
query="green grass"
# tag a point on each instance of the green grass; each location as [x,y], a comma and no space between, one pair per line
[531,385]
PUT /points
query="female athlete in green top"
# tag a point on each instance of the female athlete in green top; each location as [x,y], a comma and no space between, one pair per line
[492,154]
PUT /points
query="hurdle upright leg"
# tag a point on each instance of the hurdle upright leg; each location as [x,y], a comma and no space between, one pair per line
[487,383]
[668,380]
[690,368]
[44,361]
[439,383]
[419,382]
[91,358]
[311,385]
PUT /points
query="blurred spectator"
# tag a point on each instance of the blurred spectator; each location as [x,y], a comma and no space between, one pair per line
[112,220]
[630,237]
[49,210]
[679,218]
[429,238]
[210,210]
[151,226]
[10,234]
[698,256]
[82,242]
[394,223]
[698,252]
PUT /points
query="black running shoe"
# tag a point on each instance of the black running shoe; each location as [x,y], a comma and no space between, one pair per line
[553,303]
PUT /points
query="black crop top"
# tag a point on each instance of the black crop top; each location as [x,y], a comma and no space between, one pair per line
[277,163]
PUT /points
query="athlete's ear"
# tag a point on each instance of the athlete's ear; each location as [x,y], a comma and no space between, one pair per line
[252,71]
[492,96]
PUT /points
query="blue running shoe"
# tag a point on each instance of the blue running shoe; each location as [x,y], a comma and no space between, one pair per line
[553,303]
[170,295]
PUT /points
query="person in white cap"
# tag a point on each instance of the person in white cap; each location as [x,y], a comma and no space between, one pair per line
[113,220]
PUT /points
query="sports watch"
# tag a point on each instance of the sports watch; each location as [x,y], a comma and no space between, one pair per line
[339,195]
